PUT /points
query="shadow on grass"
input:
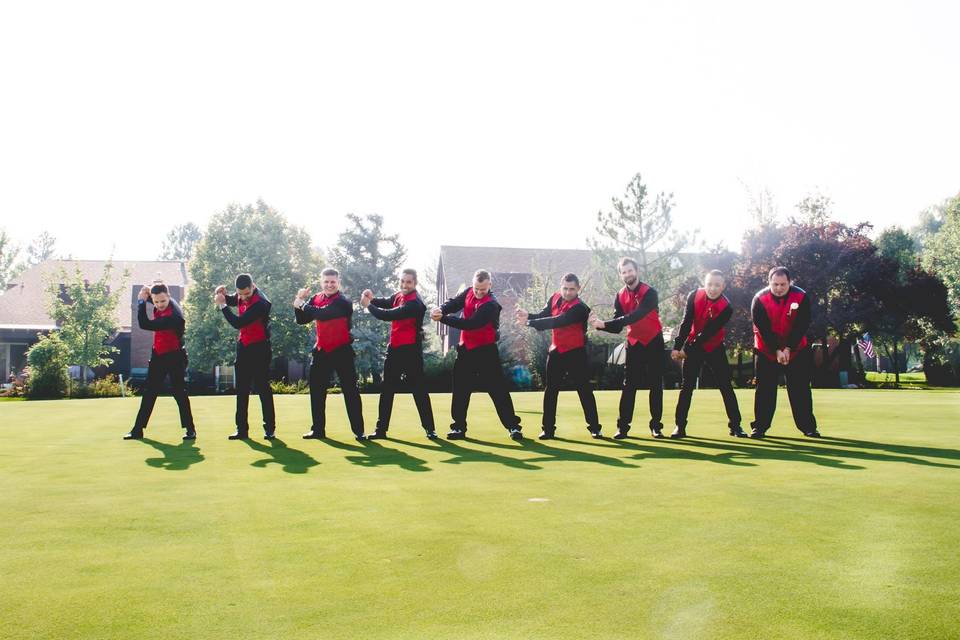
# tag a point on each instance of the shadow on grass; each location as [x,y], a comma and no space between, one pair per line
[866,450]
[742,453]
[463,455]
[291,460]
[827,452]
[176,457]
[374,454]
[554,454]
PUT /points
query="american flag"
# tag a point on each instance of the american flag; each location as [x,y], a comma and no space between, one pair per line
[866,344]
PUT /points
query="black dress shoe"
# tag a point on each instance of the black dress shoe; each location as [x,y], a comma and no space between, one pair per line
[313,435]
[758,434]
[456,434]
[377,435]
[360,437]
[432,435]
[270,435]
[238,435]
[133,435]
[737,432]
[546,434]
[594,432]
[621,434]
[191,434]
[678,432]
[656,433]
[812,434]
[516,434]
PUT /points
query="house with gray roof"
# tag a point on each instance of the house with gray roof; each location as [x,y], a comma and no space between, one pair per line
[24,314]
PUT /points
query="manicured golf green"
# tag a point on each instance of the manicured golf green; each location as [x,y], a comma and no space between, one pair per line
[856,535]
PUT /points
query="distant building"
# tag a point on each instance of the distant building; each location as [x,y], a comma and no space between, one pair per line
[24,315]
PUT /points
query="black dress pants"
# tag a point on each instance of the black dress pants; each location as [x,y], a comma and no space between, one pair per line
[473,370]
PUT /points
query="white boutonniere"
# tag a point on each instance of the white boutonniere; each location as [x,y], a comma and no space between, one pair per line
[793,307]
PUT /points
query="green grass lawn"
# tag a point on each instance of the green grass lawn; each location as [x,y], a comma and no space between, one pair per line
[915,380]
[853,536]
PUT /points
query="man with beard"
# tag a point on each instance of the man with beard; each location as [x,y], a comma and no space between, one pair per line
[566,316]
[404,311]
[636,307]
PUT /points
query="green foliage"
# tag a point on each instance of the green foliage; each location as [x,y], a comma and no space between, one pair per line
[256,239]
[9,269]
[41,248]
[942,251]
[438,367]
[106,387]
[47,362]
[86,314]
[815,209]
[529,346]
[180,242]
[897,245]
[282,387]
[645,231]
[368,258]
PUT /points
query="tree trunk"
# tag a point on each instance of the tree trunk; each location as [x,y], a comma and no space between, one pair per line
[856,353]
[896,365]
[893,363]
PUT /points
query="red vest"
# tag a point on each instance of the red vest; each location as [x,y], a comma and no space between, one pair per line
[166,340]
[781,320]
[403,332]
[255,331]
[331,334]
[646,328]
[572,336]
[487,334]
[704,311]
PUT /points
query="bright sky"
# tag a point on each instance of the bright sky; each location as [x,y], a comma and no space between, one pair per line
[494,123]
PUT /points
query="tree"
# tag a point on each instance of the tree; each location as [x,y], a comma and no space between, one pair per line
[40,249]
[368,258]
[914,305]
[254,239]
[835,263]
[181,242]
[815,209]
[8,260]
[87,316]
[932,218]
[941,252]
[939,235]
[644,230]
[897,245]
[838,266]
[523,345]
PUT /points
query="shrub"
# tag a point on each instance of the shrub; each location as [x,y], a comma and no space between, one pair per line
[47,368]
[283,387]
[106,387]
